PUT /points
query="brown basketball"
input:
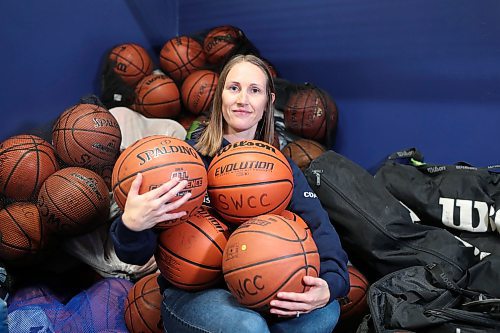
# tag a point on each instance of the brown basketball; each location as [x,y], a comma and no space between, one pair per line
[266,255]
[189,255]
[131,62]
[181,56]
[160,158]
[247,179]
[355,304]
[220,41]
[310,113]
[300,223]
[157,96]
[22,233]
[87,135]
[25,162]
[143,306]
[303,151]
[198,90]
[73,201]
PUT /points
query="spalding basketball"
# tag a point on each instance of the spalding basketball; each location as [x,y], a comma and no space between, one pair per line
[220,41]
[303,151]
[73,201]
[160,158]
[157,96]
[181,56]
[87,135]
[198,90]
[300,223]
[189,255]
[25,162]
[131,62]
[266,255]
[143,306]
[21,230]
[247,179]
[355,305]
[310,113]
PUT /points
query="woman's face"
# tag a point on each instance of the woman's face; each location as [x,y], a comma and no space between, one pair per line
[244,99]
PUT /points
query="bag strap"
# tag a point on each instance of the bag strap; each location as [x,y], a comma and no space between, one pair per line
[443,280]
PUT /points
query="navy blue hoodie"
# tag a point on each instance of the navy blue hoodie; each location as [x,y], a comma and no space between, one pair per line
[137,247]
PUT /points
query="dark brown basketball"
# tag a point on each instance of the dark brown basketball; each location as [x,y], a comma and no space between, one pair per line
[189,255]
[310,113]
[25,162]
[160,158]
[220,41]
[143,306]
[303,151]
[355,304]
[157,96]
[266,255]
[87,135]
[131,62]
[181,56]
[198,90]
[247,179]
[73,201]
[21,232]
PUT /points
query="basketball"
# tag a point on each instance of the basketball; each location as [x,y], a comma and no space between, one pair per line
[21,230]
[131,62]
[220,41]
[189,255]
[198,90]
[143,306]
[310,114]
[157,96]
[181,56]
[87,135]
[266,255]
[25,162]
[303,151]
[247,179]
[355,305]
[160,158]
[299,222]
[73,201]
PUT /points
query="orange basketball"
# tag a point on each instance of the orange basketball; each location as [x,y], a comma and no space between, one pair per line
[157,96]
[23,235]
[247,179]
[189,255]
[181,56]
[300,223]
[73,201]
[220,41]
[198,90]
[131,62]
[25,162]
[303,151]
[143,306]
[266,255]
[87,135]
[160,158]
[355,305]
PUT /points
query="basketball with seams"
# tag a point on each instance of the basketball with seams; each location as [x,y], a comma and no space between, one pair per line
[220,41]
[310,113]
[303,152]
[160,158]
[198,90]
[157,96]
[354,305]
[189,255]
[87,135]
[143,306]
[73,201]
[181,56]
[131,62]
[265,255]
[25,162]
[247,179]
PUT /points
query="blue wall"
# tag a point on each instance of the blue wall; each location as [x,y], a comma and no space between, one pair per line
[423,73]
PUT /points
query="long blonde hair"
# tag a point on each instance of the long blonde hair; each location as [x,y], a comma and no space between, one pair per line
[210,140]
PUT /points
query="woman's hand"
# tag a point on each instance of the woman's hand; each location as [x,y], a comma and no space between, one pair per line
[144,211]
[288,304]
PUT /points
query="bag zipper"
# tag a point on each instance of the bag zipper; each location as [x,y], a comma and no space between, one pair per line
[464,316]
